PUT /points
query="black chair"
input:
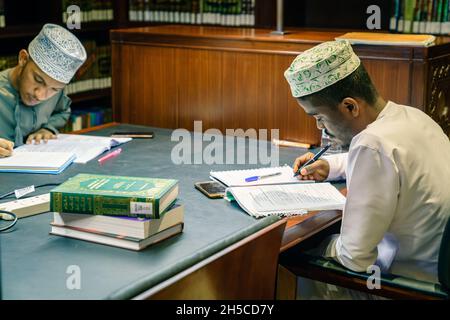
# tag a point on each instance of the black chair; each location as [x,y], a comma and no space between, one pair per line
[392,286]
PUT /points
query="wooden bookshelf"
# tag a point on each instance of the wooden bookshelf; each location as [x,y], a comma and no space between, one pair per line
[90,95]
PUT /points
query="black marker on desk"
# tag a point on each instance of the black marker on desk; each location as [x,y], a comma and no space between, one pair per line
[313,159]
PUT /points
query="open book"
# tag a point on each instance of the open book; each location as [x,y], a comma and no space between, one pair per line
[42,162]
[286,199]
[235,178]
[83,146]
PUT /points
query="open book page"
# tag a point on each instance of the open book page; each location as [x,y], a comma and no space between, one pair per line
[287,199]
[42,162]
[83,146]
[234,178]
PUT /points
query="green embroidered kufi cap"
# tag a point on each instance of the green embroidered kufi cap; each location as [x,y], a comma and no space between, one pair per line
[321,67]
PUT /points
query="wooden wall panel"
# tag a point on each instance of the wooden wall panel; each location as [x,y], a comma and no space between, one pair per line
[199,88]
[243,100]
[172,88]
[147,82]
[419,87]
[294,123]
[256,95]
[391,78]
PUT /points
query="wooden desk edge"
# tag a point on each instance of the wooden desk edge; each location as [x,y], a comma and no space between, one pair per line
[308,226]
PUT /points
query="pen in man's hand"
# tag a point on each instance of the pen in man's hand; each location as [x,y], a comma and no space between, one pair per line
[313,159]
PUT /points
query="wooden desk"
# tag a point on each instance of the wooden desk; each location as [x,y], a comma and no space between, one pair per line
[298,228]
[198,264]
[169,76]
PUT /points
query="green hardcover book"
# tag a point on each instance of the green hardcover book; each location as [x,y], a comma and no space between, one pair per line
[114,195]
[408,15]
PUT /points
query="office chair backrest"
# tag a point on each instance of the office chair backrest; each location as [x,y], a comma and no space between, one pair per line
[444,258]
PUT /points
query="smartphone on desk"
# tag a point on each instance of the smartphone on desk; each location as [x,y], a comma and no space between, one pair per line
[133,134]
[212,189]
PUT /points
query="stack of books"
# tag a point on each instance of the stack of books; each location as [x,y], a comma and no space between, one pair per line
[126,212]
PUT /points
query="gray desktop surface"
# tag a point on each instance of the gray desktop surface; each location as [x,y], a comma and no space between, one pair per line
[36,265]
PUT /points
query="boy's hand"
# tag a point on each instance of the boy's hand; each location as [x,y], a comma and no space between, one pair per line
[41,134]
[6,148]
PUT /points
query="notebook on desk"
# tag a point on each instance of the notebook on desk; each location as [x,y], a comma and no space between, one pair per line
[37,162]
[235,178]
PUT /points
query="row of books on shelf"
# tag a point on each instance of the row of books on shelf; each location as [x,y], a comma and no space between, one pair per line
[88,85]
[219,12]
[90,10]
[95,73]
[2,14]
[126,212]
[8,61]
[87,118]
[421,16]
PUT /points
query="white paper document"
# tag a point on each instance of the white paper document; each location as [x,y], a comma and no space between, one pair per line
[234,178]
[84,147]
[287,199]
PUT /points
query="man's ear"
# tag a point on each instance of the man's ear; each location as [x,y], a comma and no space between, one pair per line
[24,57]
[350,107]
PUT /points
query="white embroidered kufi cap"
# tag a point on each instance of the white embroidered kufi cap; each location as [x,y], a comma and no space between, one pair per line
[57,52]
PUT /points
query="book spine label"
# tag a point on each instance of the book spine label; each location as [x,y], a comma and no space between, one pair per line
[104,205]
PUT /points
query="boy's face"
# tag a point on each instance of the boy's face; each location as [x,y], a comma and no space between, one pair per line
[34,85]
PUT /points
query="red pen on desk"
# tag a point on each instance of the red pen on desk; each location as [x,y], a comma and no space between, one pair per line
[110,155]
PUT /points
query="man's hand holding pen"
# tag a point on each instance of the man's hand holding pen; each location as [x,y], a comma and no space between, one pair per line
[318,170]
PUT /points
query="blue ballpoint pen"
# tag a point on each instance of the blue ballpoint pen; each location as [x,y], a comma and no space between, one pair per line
[256,178]
[313,159]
